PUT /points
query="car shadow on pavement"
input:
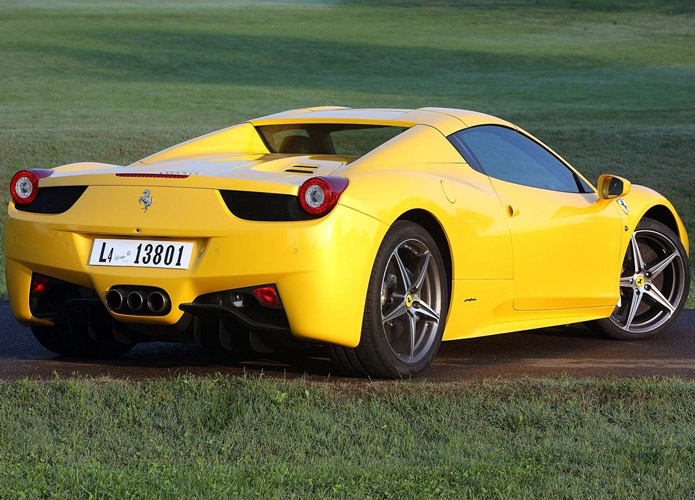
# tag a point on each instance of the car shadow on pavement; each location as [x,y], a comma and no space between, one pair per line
[573,350]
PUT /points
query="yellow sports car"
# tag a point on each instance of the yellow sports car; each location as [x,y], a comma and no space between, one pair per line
[377,233]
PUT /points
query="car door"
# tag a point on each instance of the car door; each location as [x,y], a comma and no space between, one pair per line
[565,241]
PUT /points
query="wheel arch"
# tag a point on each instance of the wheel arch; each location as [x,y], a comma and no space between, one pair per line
[663,211]
[647,203]
[662,214]
[433,226]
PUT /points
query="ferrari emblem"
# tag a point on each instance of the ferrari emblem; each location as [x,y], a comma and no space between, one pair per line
[146,200]
[623,205]
[408,300]
[639,281]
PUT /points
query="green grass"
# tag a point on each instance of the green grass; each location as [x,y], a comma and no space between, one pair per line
[609,85]
[256,438]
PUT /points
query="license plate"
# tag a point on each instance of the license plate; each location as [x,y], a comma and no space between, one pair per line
[141,253]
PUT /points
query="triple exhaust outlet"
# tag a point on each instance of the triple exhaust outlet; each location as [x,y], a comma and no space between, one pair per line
[138,301]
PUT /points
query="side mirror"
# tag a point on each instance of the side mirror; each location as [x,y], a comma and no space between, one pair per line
[612,186]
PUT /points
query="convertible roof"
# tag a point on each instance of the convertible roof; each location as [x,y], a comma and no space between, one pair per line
[446,120]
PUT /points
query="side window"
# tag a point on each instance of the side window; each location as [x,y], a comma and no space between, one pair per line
[507,155]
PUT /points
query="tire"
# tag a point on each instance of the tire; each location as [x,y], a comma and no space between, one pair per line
[88,334]
[56,339]
[405,309]
[654,284]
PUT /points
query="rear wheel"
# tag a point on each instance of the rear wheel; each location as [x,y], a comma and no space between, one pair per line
[405,310]
[654,284]
[56,339]
[86,334]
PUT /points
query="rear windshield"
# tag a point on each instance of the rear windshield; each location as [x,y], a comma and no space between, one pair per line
[326,138]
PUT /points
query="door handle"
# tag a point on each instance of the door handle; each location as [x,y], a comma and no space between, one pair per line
[511,211]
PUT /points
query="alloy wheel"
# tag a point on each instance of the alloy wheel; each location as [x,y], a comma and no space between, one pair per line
[411,301]
[652,283]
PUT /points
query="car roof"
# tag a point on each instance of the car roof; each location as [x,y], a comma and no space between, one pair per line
[446,120]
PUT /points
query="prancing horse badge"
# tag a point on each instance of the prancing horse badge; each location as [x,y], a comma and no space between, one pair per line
[146,200]
[623,205]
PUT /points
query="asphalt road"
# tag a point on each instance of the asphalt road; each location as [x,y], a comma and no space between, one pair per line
[573,351]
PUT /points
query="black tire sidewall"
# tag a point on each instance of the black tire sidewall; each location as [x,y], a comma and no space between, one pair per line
[56,339]
[73,340]
[373,330]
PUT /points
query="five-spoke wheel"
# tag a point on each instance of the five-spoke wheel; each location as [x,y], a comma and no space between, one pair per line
[411,301]
[654,283]
[406,307]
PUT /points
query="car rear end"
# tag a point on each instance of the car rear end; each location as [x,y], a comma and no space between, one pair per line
[168,249]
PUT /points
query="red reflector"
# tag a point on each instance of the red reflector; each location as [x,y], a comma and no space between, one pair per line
[39,283]
[161,176]
[267,295]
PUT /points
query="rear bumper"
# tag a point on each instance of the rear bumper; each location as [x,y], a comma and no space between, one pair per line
[321,268]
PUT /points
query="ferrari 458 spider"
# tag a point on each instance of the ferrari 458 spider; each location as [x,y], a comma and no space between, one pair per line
[377,233]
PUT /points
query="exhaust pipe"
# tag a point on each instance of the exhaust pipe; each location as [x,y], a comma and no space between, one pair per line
[135,300]
[146,301]
[157,302]
[114,299]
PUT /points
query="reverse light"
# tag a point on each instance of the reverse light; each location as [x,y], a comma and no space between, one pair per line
[24,186]
[318,195]
[237,300]
[267,295]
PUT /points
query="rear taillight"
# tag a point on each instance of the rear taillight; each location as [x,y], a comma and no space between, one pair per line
[24,186]
[318,195]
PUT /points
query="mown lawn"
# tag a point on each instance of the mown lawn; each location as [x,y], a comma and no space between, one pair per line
[610,85]
[255,438]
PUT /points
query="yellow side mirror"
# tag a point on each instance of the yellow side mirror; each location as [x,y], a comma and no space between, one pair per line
[612,186]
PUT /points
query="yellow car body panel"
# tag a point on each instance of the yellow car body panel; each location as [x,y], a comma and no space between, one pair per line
[557,261]
[498,235]
[446,120]
[239,139]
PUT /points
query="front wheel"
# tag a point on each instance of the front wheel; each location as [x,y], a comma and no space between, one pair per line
[654,284]
[405,310]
